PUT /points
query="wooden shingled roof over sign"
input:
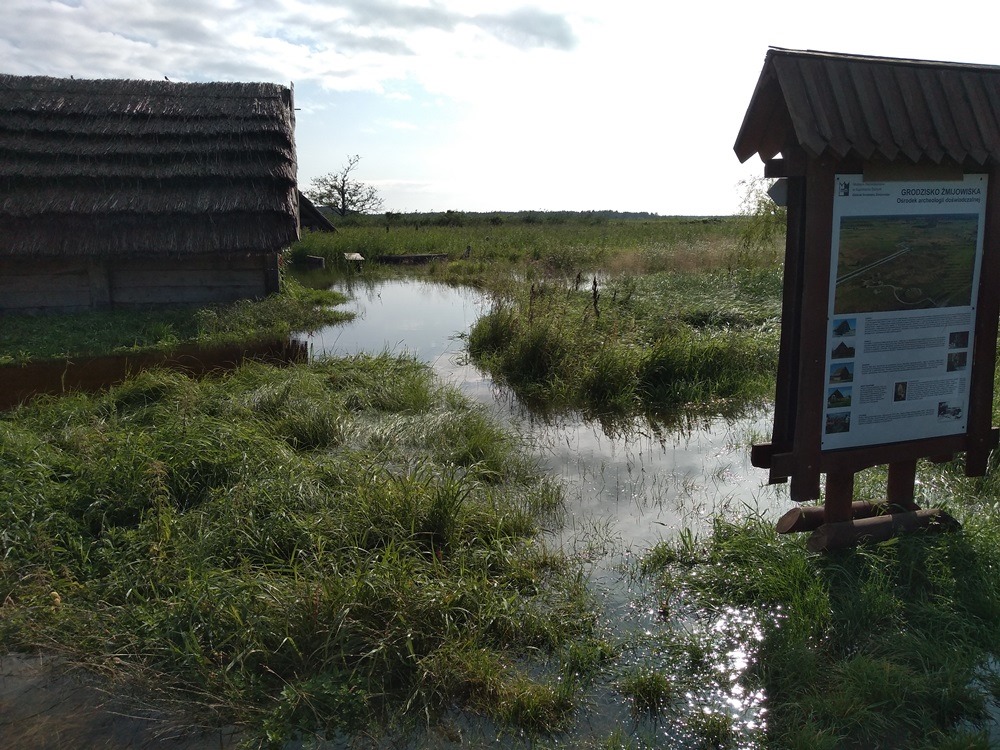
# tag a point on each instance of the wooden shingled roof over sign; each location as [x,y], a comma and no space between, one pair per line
[874,109]
[848,133]
[122,168]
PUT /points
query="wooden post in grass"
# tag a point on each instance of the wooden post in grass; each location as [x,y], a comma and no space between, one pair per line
[892,261]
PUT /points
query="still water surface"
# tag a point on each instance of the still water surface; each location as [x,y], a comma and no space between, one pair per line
[639,485]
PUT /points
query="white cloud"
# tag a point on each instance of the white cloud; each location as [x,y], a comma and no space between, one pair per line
[487,103]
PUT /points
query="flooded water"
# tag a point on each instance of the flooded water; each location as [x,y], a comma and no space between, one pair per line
[47,704]
[626,490]
[631,488]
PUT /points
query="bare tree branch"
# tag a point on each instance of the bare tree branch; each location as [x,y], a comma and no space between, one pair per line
[344,194]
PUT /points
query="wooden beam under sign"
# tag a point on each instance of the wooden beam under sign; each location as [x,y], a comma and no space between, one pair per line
[811,517]
[831,536]
[861,458]
[982,438]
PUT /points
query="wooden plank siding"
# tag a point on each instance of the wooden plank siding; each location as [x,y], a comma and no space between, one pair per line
[33,285]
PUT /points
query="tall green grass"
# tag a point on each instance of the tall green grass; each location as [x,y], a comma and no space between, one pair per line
[534,248]
[685,311]
[309,551]
[652,343]
[892,645]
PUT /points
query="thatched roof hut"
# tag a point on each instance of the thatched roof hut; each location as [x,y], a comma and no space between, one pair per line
[123,169]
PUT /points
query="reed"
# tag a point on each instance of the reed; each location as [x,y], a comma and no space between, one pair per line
[478,245]
[651,344]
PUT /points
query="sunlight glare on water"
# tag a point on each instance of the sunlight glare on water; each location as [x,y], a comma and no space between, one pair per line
[628,489]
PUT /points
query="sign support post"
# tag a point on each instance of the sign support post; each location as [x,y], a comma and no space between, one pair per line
[891,291]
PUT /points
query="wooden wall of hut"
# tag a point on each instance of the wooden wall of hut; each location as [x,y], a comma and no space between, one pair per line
[40,285]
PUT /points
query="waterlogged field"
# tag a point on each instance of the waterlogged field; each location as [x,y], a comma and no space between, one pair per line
[893,645]
[613,318]
[28,338]
[485,249]
[347,554]
[302,552]
[655,344]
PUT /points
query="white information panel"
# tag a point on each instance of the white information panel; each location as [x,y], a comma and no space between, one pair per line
[903,284]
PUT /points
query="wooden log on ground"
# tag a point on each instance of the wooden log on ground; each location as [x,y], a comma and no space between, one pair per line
[811,517]
[833,536]
[408,259]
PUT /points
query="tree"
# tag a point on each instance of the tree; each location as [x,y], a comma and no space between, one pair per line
[762,221]
[344,194]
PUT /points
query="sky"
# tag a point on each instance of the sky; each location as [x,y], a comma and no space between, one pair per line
[490,105]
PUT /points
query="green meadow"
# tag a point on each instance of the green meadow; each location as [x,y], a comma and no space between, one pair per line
[344,553]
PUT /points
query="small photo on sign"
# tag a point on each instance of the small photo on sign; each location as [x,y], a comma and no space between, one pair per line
[842,373]
[837,398]
[899,391]
[958,340]
[839,422]
[947,411]
[845,327]
[842,351]
[957,361]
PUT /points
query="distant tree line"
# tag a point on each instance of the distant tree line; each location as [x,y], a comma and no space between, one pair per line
[391,219]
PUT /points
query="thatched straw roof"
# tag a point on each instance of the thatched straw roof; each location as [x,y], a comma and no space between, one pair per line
[111,167]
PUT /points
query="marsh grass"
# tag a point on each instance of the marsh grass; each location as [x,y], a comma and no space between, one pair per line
[892,645]
[652,343]
[311,551]
[538,249]
[685,312]
[649,689]
[40,337]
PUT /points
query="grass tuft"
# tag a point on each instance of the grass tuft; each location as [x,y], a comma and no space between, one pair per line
[323,549]
[886,645]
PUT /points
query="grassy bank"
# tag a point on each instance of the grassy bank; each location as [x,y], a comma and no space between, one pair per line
[309,551]
[893,645]
[40,337]
[530,249]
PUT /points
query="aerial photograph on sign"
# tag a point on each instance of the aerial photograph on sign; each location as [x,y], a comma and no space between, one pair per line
[909,262]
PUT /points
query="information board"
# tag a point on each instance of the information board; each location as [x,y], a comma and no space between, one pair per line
[904,276]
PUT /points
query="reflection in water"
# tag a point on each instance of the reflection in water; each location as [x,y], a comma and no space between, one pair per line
[628,485]
[637,483]
[425,320]
[46,704]
[626,489]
